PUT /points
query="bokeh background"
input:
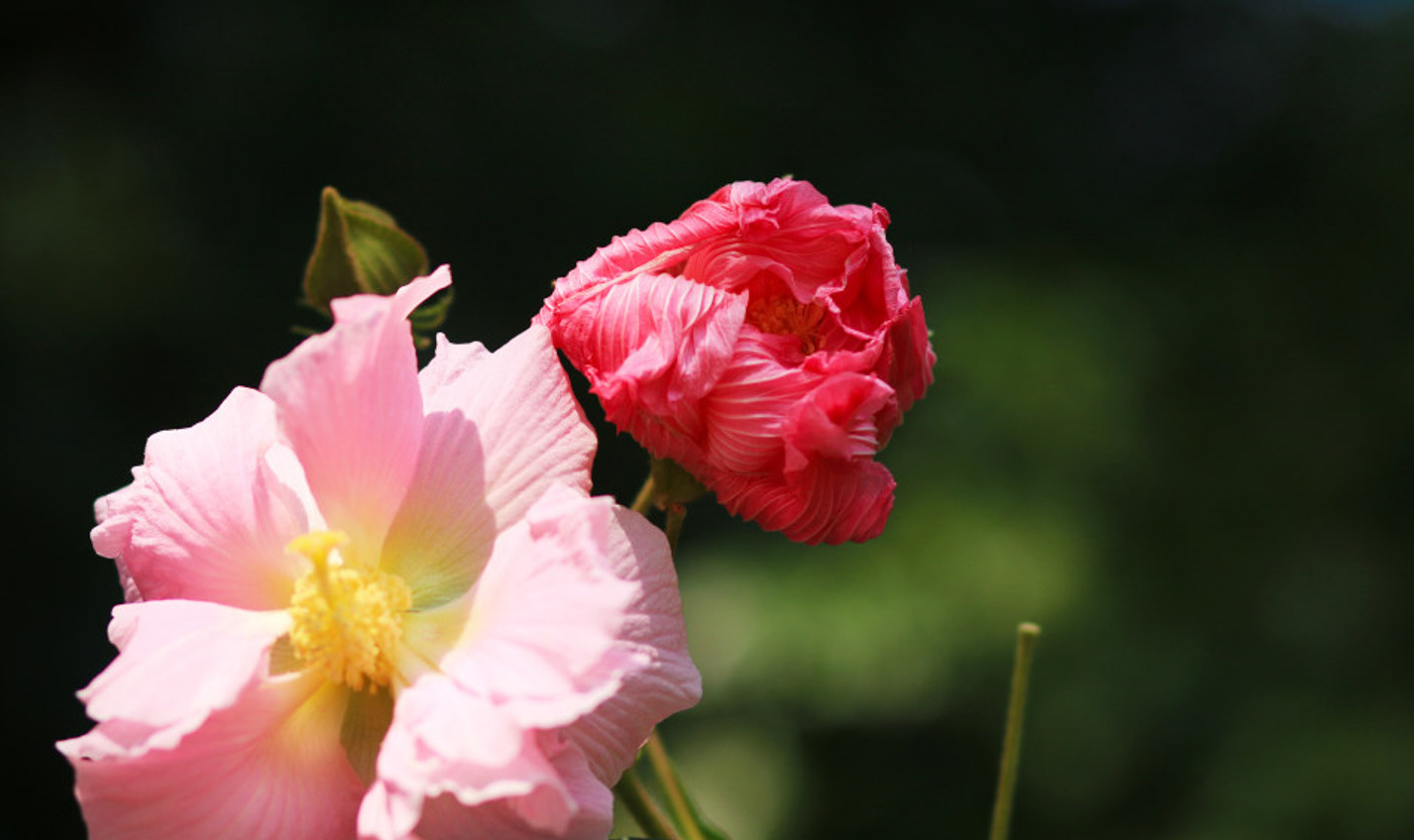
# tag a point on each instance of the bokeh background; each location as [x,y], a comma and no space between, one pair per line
[1166,248]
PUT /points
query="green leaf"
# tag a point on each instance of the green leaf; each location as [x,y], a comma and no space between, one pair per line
[360,249]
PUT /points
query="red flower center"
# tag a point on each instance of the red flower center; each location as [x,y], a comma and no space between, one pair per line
[784,315]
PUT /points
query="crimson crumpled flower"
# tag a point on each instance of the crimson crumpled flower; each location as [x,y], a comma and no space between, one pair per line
[767,342]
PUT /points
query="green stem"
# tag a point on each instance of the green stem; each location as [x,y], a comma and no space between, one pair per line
[672,786]
[1011,744]
[672,524]
[631,792]
[644,500]
[630,789]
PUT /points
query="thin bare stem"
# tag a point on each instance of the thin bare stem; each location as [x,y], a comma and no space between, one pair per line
[672,786]
[644,500]
[1011,744]
[632,793]
[672,524]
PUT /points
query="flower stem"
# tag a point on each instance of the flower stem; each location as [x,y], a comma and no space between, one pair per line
[1011,744]
[672,787]
[644,500]
[630,789]
[632,793]
[672,524]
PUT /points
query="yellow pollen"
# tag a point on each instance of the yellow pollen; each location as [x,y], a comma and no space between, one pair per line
[346,621]
[784,315]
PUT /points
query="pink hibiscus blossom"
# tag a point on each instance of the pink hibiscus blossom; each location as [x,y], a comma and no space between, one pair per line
[369,601]
[766,342]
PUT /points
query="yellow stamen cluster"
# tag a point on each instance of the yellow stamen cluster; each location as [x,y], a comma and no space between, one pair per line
[784,315]
[347,621]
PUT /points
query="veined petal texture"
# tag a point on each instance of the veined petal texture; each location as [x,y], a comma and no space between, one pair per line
[727,389]
[374,601]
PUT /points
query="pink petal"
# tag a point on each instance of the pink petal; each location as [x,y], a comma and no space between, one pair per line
[545,615]
[828,501]
[745,414]
[877,288]
[790,448]
[576,622]
[179,662]
[501,427]
[911,357]
[445,740]
[659,249]
[652,634]
[663,338]
[787,233]
[657,343]
[269,766]
[402,302]
[533,817]
[351,410]
[844,500]
[836,421]
[205,517]
[832,352]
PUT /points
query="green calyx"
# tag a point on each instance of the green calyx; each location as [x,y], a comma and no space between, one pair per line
[360,249]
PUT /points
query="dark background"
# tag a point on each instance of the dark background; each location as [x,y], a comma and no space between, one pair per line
[1165,248]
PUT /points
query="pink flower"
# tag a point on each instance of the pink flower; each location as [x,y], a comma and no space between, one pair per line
[369,600]
[766,342]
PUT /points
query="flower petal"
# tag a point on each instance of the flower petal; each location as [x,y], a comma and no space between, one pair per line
[658,249]
[445,740]
[791,447]
[653,633]
[540,638]
[206,518]
[787,233]
[836,421]
[659,342]
[268,766]
[911,357]
[576,622]
[745,411]
[541,814]
[501,427]
[828,501]
[745,414]
[351,410]
[179,662]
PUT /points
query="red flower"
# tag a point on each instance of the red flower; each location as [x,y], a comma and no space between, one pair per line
[766,342]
